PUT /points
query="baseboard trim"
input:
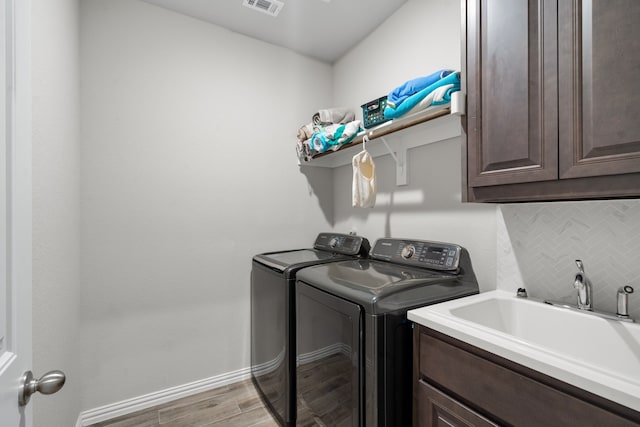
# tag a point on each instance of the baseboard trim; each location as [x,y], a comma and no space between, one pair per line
[118,409]
[139,403]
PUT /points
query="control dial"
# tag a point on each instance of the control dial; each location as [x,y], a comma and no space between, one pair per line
[408,251]
[334,242]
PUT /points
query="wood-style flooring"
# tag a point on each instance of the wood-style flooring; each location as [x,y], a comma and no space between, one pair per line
[234,405]
[324,400]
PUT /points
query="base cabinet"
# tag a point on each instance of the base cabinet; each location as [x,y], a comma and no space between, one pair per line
[457,384]
[436,409]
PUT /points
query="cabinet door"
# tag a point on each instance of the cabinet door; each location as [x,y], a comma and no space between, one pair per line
[599,94]
[512,94]
[436,409]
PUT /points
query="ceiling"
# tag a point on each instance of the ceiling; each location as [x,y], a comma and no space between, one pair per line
[322,29]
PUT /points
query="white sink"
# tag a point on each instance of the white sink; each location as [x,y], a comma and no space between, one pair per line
[596,354]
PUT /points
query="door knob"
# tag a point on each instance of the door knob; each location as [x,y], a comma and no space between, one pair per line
[49,383]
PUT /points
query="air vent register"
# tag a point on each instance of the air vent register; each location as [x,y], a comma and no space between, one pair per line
[270,7]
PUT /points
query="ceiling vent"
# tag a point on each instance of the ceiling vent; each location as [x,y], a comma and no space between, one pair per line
[270,7]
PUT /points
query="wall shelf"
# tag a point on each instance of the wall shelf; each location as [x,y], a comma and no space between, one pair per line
[397,136]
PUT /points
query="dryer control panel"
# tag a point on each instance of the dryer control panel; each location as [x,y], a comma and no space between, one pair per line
[342,243]
[419,253]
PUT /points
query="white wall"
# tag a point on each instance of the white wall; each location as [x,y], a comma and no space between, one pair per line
[188,170]
[421,37]
[56,231]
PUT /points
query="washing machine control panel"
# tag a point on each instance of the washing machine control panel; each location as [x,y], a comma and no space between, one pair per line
[342,243]
[419,253]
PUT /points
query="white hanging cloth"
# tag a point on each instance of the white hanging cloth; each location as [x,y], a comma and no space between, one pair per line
[364,178]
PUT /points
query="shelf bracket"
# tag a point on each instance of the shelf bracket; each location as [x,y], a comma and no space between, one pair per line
[400,157]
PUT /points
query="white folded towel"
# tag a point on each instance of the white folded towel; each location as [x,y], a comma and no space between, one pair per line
[338,115]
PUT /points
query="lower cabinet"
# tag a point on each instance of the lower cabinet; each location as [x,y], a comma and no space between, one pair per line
[457,384]
[437,409]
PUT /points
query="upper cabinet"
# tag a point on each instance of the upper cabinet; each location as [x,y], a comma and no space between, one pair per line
[553,99]
[599,87]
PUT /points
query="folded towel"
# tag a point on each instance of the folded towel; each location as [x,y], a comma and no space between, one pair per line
[333,115]
[318,142]
[305,151]
[411,87]
[305,132]
[413,100]
[339,134]
[439,96]
[446,96]
[302,150]
[333,136]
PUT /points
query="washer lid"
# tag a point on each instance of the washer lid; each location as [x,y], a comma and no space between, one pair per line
[296,258]
[327,247]
[380,286]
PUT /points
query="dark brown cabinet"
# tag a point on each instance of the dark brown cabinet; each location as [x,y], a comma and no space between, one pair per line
[553,99]
[437,409]
[456,384]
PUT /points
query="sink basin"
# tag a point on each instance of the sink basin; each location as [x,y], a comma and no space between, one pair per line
[599,355]
[583,337]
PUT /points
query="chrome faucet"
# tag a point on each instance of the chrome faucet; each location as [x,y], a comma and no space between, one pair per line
[582,284]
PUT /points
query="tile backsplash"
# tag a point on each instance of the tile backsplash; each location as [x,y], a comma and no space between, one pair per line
[538,244]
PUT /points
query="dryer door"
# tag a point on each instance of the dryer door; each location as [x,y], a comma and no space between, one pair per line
[329,358]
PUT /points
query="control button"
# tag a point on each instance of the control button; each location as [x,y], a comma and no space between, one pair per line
[333,242]
[449,262]
[408,251]
[452,253]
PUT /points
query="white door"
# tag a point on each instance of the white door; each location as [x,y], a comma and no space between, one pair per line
[15,209]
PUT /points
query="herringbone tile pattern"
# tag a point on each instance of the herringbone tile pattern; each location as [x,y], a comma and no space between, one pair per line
[539,242]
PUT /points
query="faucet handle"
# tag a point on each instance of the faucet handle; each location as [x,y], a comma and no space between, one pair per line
[623,301]
[626,290]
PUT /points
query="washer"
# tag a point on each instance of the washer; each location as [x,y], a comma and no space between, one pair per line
[273,277]
[354,343]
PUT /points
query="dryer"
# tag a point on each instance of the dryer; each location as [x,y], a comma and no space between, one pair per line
[354,342]
[273,277]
